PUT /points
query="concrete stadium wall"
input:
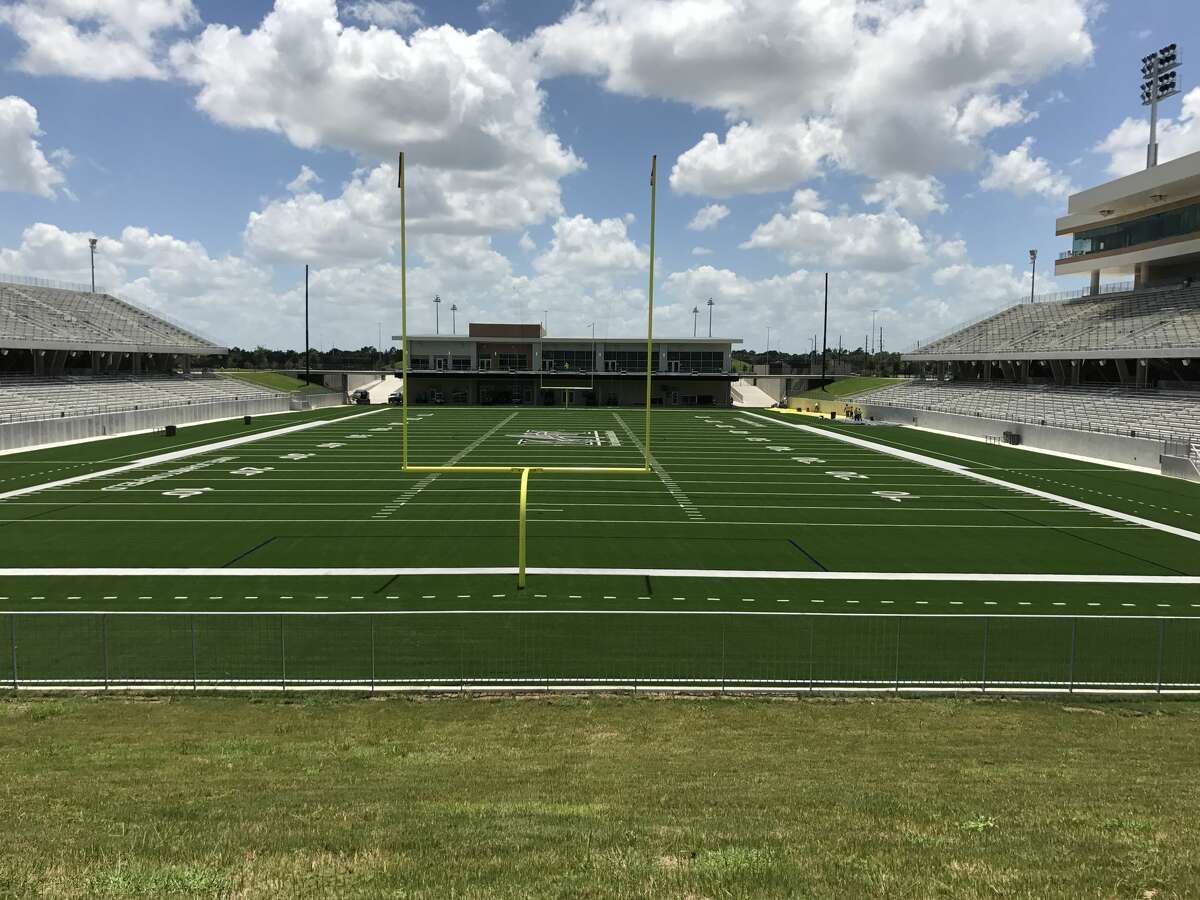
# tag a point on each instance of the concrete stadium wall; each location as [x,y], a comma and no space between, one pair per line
[1111,447]
[75,428]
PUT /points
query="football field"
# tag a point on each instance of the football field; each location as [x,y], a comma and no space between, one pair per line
[761,549]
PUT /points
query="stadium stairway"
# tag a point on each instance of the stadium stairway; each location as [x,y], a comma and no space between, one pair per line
[750,395]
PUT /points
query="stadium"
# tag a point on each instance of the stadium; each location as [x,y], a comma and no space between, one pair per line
[610,563]
[581,542]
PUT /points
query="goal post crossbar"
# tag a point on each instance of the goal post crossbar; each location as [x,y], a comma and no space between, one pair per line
[523,471]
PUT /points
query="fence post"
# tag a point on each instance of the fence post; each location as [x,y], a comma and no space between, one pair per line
[372,617]
[195,679]
[987,621]
[897,673]
[104,645]
[1071,664]
[282,652]
[1162,635]
[12,629]
[722,656]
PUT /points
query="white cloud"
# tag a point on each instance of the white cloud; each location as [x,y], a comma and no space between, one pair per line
[95,39]
[701,251]
[953,250]
[708,216]
[755,159]
[908,194]
[1126,144]
[303,181]
[385,13]
[876,242]
[583,247]
[879,88]
[1020,173]
[466,108]
[23,166]
[526,243]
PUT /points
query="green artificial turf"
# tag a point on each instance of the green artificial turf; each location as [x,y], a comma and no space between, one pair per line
[600,798]
[276,381]
[729,491]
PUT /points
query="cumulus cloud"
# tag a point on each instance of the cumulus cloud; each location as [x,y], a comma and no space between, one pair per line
[583,247]
[384,13]
[908,194]
[465,108]
[755,159]
[708,216]
[701,251]
[99,40]
[876,242]
[1020,173]
[1126,144]
[23,165]
[880,88]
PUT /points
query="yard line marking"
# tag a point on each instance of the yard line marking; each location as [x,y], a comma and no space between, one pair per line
[684,501]
[979,476]
[759,574]
[178,454]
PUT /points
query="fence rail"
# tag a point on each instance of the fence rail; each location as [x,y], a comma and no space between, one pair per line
[586,650]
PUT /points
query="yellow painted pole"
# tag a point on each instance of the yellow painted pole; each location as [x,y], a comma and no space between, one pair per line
[521,530]
[650,307]
[403,323]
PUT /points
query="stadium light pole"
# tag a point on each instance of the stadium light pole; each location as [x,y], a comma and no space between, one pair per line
[453,318]
[825,332]
[1159,81]
[437,314]
[92,244]
[1032,272]
[695,319]
[873,331]
[710,306]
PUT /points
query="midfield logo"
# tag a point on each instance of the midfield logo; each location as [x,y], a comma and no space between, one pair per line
[560,438]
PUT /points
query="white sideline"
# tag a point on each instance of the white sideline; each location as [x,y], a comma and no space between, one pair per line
[959,469]
[178,454]
[783,575]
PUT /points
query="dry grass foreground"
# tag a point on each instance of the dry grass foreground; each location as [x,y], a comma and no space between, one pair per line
[596,797]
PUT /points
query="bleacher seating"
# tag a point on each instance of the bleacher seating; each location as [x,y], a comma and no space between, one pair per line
[1158,319]
[1158,414]
[53,317]
[24,397]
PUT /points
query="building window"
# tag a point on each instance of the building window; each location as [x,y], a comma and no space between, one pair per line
[628,361]
[1172,223]
[695,360]
[440,363]
[461,364]
[567,360]
[512,361]
[420,362]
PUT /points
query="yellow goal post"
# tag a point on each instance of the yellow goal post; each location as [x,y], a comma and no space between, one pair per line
[523,471]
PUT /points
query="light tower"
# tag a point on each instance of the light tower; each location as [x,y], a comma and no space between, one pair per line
[1032,272]
[695,319]
[710,306]
[92,243]
[453,318]
[1158,83]
[437,314]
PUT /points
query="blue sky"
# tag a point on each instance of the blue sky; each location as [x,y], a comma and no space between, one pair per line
[916,150]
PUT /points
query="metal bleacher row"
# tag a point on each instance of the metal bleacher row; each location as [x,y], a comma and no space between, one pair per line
[46,316]
[26,398]
[1165,318]
[1160,415]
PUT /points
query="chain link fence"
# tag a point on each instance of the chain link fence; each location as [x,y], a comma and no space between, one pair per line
[652,650]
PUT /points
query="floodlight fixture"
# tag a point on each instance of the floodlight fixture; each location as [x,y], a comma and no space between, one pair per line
[92,244]
[1159,81]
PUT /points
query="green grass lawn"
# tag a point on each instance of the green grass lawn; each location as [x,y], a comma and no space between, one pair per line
[322,519]
[276,381]
[599,798]
[844,388]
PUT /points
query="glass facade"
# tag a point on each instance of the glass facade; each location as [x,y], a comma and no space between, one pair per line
[512,361]
[695,360]
[627,361]
[567,360]
[1172,223]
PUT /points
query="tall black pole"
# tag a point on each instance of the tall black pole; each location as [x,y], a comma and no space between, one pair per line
[825,333]
[307,352]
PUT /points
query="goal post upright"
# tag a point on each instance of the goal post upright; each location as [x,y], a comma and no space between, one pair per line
[403,322]
[650,307]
